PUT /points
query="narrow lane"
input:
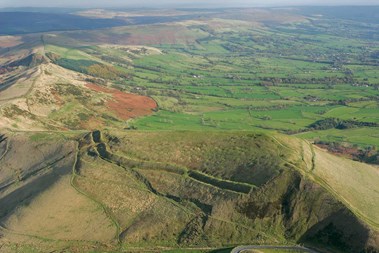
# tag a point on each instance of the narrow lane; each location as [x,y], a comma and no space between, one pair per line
[240,249]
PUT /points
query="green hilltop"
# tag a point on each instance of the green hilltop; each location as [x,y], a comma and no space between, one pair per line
[186,189]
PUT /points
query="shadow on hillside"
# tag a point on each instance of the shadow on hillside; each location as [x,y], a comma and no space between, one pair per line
[341,230]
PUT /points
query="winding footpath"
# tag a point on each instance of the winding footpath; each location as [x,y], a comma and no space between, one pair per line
[243,248]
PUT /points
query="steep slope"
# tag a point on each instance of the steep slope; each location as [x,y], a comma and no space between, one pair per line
[353,183]
[32,60]
[36,94]
[19,69]
[39,207]
[180,189]
[300,196]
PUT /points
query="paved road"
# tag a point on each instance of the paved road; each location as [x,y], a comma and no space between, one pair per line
[240,249]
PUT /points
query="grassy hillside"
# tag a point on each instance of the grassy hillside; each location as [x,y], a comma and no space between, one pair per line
[202,189]
[341,176]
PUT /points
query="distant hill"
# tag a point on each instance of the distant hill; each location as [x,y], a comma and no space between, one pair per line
[12,23]
[367,14]
[32,22]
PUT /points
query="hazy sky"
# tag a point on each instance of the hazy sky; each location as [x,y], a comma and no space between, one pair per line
[176,3]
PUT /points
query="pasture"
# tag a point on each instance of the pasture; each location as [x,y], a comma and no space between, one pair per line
[204,75]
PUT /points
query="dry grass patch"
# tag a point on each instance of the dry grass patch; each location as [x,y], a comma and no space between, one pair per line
[356,183]
[61,213]
[10,41]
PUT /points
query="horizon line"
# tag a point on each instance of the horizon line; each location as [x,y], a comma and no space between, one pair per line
[185,6]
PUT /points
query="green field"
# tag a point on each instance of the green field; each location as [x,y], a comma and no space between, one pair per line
[281,77]
[248,79]
[278,71]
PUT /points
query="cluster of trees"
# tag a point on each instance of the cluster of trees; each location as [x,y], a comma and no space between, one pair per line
[368,154]
[330,123]
[272,81]
[106,72]
[89,67]
[76,65]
